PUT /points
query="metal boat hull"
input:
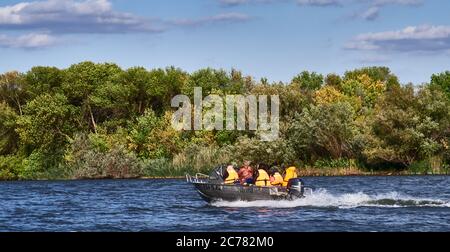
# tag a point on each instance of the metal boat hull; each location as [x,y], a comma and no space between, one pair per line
[222,192]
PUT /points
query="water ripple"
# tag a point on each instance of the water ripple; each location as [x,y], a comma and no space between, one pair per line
[341,204]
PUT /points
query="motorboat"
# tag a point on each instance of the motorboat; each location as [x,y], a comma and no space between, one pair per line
[212,188]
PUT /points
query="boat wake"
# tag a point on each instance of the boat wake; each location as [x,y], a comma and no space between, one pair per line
[322,198]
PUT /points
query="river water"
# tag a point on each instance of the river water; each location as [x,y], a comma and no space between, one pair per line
[419,203]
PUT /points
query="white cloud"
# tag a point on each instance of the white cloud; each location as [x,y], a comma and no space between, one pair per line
[28,41]
[369,9]
[372,11]
[71,16]
[423,38]
[400,2]
[46,18]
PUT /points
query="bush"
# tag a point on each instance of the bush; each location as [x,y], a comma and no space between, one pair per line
[335,163]
[278,151]
[420,167]
[43,165]
[10,167]
[85,161]
[198,158]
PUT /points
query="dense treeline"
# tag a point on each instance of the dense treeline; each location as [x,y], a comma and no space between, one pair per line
[98,121]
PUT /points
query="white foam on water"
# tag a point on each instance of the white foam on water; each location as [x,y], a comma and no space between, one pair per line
[322,198]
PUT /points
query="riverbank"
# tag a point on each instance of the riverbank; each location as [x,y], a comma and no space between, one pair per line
[338,172]
[303,172]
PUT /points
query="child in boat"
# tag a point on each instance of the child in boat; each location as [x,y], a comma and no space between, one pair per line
[262,178]
[275,177]
[246,174]
[289,173]
[230,175]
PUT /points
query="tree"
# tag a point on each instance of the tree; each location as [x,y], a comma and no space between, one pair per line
[153,137]
[308,81]
[292,100]
[382,74]
[151,89]
[329,94]
[82,83]
[365,88]
[165,84]
[49,122]
[325,130]
[9,139]
[13,90]
[41,80]
[137,81]
[333,80]
[442,81]
[209,80]
[407,128]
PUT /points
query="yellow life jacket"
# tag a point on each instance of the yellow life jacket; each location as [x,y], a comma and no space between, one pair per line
[278,179]
[232,176]
[263,178]
[291,173]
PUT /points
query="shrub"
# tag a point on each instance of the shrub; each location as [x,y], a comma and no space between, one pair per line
[10,167]
[335,163]
[86,161]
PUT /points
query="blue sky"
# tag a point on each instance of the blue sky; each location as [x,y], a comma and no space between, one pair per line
[264,38]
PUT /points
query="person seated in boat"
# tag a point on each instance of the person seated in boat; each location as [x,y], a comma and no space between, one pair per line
[262,178]
[289,173]
[275,177]
[246,174]
[230,176]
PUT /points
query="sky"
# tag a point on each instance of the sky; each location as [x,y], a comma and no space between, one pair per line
[275,39]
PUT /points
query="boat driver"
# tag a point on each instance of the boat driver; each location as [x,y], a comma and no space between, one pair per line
[246,174]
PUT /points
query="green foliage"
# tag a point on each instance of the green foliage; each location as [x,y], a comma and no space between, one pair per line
[308,81]
[48,123]
[408,128]
[161,167]
[10,167]
[43,80]
[382,74]
[9,139]
[278,151]
[442,81]
[43,164]
[200,158]
[152,137]
[217,81]
[13,90]
[364,88]
[335,163]
[292,100]
[326,130]
[95,120]
[333,80]
[87,159]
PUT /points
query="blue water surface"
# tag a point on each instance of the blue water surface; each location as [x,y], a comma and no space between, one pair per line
[409,203]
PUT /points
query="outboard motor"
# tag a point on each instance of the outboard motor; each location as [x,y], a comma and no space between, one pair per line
[216,175]
[296,188]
